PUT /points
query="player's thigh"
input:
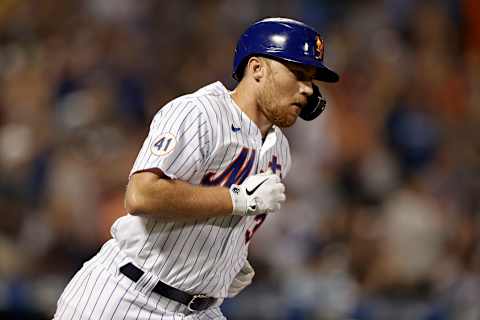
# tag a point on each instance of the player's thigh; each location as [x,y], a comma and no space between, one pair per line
[98,294]
[113,296]
[72,292]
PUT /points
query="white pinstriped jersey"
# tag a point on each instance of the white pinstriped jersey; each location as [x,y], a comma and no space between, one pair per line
[201,138]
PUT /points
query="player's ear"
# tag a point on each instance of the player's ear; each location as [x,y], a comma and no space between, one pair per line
[255,67]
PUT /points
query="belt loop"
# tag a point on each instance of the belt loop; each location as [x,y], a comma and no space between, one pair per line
[143,284]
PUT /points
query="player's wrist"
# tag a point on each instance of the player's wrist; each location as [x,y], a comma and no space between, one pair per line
[243,205]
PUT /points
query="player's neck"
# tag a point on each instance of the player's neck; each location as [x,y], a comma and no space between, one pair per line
[247,102]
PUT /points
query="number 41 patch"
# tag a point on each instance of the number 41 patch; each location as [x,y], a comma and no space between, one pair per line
[163,144]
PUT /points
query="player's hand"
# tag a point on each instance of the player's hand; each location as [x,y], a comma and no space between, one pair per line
[242,279]
[258,194]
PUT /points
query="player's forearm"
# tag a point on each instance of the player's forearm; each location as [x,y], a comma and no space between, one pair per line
[174,199]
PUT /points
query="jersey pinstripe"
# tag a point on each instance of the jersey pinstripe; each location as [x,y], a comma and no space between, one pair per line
[99,291]
[202,138]
[211,132]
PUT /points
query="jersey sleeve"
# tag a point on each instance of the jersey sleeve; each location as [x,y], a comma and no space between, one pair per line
[289,163]
[177,143]
[286,156]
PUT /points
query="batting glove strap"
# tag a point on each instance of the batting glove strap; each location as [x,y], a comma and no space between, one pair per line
[242,204]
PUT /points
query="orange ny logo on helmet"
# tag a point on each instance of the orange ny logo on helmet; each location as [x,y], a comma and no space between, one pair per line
[319,48]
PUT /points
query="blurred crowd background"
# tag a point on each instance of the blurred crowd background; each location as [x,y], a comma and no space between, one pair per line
[382,220]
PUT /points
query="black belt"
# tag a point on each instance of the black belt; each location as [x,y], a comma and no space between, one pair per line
[194,302]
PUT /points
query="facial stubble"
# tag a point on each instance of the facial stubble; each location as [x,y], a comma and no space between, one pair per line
[267,102]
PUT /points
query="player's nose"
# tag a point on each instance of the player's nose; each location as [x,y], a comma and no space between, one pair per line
[306,88]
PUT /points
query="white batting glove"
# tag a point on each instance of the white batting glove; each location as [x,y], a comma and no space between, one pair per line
[242,279]
[260,193]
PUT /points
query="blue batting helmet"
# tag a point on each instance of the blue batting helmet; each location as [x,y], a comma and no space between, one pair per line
[284,39]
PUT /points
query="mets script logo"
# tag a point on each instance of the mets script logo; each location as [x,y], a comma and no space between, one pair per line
[319,48]
[235,173]
[238,170]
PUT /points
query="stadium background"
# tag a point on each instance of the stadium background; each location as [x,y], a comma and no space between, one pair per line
[383,216]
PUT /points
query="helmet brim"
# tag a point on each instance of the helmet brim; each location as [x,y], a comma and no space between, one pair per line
[326,75]
[323,73]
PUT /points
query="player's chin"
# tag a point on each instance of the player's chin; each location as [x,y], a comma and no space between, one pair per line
[287,121]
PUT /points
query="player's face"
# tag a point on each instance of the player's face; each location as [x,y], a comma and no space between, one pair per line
[285,91]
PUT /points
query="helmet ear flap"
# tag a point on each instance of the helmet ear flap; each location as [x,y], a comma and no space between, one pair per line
[315,105]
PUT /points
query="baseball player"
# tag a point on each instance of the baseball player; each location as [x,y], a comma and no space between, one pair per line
[205,179]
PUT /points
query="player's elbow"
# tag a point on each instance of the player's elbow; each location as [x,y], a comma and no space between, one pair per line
[136,196]
[141,196]
[133,200]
